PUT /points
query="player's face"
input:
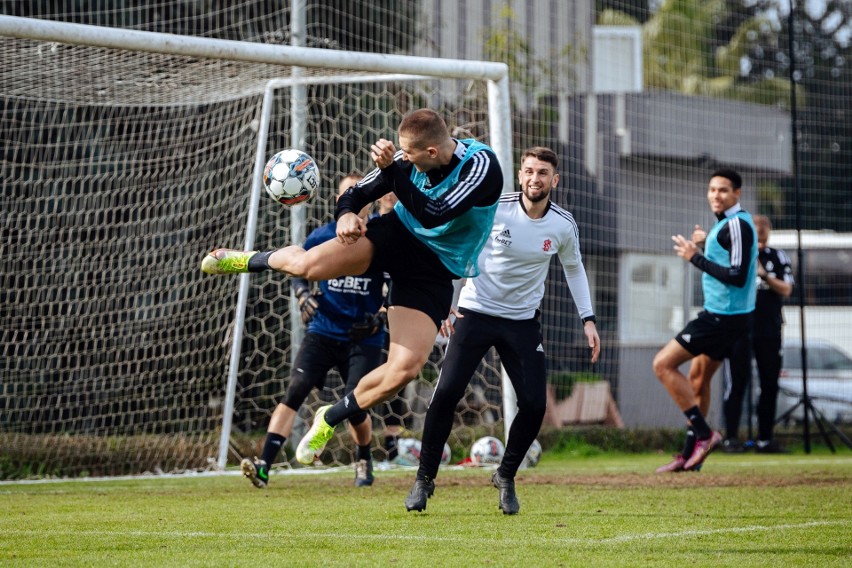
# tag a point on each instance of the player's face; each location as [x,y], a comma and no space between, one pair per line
[421,156]
[386,202]
[762,234]
[345,184]
[721,194]
[537,178]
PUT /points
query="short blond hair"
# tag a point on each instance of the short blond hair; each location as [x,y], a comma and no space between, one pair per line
[424,127]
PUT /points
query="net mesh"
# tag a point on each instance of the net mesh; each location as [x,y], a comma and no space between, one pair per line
[119,170]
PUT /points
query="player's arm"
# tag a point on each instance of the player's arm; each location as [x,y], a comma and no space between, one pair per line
[737,238]
[780,281]
[480,184]
[578,285]
[369,189]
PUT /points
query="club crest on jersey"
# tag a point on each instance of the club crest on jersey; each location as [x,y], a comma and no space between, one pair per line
[547,245]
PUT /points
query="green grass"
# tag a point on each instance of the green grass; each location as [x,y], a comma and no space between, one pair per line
[745,510]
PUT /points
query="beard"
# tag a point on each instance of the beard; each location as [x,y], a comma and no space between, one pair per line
[540,196]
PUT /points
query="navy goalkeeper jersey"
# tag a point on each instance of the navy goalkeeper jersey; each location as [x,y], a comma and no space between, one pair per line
[346,300]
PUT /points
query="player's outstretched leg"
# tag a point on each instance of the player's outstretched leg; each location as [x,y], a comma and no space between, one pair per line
[419,494]
[508,499]
[227,261]
[256,470]
[316,438]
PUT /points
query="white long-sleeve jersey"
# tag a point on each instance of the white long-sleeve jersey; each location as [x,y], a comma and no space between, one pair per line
[514,263]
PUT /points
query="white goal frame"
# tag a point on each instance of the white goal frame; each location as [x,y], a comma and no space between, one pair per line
[388,67]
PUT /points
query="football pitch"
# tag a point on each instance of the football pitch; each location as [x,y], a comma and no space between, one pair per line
[606,510]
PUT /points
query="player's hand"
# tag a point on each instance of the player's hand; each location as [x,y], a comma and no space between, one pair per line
[372,324]
[350,228]
[699,236]
[382,153]
[447,327]
[591,331]
[308,305]
[684,248]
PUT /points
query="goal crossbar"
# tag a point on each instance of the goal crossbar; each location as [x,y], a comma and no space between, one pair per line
[496,74]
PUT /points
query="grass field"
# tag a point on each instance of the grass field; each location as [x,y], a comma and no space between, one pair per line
[605,510]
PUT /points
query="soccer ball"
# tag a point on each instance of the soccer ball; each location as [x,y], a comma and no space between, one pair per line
[487,450]
[291,177]
[408,452]
[533,455]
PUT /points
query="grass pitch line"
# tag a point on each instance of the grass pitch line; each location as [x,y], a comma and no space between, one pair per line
[423,538]
[709,532]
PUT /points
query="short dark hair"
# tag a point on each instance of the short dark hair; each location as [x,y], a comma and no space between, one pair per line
[735,178]
[542,153]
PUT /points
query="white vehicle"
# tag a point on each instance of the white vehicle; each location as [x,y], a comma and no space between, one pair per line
[827,289]
[829,381]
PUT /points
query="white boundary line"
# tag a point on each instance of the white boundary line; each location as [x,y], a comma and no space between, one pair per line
[625,538]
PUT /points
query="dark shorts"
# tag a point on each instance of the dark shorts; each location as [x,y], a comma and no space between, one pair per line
[419,280]
[318,355]
[714,335]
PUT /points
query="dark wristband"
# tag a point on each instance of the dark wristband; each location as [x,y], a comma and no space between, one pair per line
[591,318]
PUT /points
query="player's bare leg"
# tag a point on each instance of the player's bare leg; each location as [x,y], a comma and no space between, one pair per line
[330,259]
[412,334]
[683,391]
[665,365]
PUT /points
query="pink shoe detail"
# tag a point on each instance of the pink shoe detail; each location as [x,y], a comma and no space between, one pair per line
[675,465]
[702,450]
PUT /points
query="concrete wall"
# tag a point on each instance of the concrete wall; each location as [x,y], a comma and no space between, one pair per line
[642,400]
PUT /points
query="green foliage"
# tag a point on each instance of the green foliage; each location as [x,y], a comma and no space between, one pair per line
[505,43]
[680,53]
[563,382]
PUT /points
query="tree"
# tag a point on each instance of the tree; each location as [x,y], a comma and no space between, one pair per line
[822,52]
[682,52]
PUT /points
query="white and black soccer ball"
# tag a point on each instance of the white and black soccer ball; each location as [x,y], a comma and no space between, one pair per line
[487,450]
[408,452]
[291,177]
[533,455]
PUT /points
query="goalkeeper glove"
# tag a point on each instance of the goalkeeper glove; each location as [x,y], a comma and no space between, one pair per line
[372,324]
[308,305]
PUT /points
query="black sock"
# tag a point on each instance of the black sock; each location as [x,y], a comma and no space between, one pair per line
[390,447]
[363,453]
[274,443]
[688,444]
[344,409]
[260,261]
[699,425]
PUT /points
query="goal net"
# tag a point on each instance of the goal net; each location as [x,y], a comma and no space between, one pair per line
[120,170]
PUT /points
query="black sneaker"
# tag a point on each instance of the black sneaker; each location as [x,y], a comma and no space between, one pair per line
[256,470]
[508,500]
[770,447]
[363,473]
[732,446]
[422,490]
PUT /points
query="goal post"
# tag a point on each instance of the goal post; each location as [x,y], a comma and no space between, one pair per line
[158,130]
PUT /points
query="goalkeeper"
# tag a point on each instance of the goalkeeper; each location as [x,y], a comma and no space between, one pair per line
[346,330]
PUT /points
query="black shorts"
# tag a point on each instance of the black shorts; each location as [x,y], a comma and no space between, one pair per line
[318,355]
[419,280]
[714,335]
